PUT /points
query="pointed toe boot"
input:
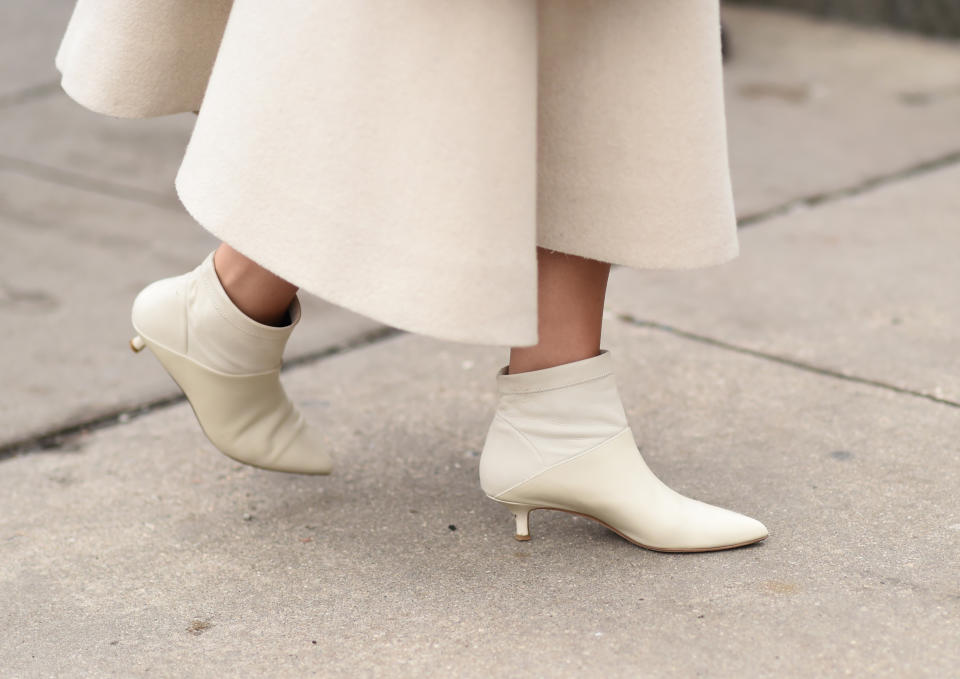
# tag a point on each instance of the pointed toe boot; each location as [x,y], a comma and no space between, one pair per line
[228,366]
[560,440]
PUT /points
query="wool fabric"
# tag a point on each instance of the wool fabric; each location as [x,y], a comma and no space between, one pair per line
[404,159]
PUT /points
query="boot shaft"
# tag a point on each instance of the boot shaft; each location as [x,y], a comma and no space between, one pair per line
[544,417]
[192,314]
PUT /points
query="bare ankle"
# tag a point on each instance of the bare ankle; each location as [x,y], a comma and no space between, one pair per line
[256,291]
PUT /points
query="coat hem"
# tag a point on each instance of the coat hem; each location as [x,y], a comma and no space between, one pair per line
[345,301]
[96,104]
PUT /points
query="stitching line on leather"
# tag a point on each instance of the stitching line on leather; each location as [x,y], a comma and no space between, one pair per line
[522,436]
[563,462]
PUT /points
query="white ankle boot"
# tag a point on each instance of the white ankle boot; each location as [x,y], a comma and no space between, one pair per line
[560,440]
[228,366]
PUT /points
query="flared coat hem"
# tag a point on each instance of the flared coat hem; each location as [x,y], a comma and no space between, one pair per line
[405,160]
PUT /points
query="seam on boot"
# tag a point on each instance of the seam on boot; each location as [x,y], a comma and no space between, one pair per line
[523,437]
[219,373]
[563,462]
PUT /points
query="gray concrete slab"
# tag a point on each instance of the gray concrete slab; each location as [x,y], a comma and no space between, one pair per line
[30,32]
[54,137]
[866,286]
[813,105]
[141,550]
[71,263]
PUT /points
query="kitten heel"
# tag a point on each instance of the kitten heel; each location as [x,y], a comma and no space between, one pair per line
[522,515]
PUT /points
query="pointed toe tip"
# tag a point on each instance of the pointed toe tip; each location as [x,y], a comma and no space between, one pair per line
[311,462]
[738,530]
[323,469]
[754,531]
[303,456]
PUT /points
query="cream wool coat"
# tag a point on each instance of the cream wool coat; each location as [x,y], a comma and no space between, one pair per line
[404,158]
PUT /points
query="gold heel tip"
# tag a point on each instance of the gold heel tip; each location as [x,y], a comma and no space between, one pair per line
[521,538]
[137,344]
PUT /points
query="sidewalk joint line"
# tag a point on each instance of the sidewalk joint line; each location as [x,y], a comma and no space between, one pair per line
[55,439]
[793,363]
[30,93]
[865,186]
[81,182]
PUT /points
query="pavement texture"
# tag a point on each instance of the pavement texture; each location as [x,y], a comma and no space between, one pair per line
[813,382]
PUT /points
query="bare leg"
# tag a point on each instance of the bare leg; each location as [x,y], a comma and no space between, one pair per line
[570,295]
[260,294]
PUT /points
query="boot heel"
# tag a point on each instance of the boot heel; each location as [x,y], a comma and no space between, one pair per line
[137,344]
[522,515]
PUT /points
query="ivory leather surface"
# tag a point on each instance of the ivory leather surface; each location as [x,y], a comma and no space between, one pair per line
[404,159]
[228,366]
[560,439]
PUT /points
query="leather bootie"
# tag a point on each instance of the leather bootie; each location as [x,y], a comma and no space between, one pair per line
[560,440]
[228,366]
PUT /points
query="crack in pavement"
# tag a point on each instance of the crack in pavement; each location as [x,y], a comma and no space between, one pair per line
[82,182]
[783,360]
[30,93]
[56,439]
[868,184]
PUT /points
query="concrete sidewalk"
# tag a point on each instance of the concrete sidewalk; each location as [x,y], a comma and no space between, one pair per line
[813,382]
